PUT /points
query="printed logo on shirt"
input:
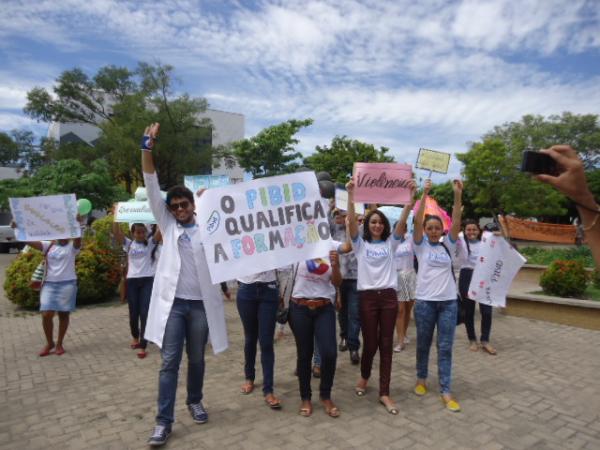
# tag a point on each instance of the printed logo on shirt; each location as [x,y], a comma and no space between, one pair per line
[137,252]
[317,266]
[379,253]
[438,259]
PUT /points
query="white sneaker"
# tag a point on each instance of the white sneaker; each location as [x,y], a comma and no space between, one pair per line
[398,348]
[406,340]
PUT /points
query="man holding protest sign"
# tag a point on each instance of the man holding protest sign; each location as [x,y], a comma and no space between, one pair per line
[185,304]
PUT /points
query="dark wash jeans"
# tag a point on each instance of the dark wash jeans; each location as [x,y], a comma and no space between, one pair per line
[257,304]
[309,325]
[139,291]
[469,305]
[349,314]
[378,311]
[186,323]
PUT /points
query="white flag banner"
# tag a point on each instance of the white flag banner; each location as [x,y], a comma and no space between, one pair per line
[495,269]
[341,202]
[45,218]
[263,224]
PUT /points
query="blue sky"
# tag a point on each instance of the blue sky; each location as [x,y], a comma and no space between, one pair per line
[403,74]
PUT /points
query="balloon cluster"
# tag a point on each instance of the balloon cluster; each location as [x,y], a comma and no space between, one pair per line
[326,185]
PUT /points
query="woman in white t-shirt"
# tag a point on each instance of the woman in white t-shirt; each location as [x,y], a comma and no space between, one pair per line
[436,293]
[59,291]
[312,318]
[141,267]
[468,248]
[407,280]
[377,282]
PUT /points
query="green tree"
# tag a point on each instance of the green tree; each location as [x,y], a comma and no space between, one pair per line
[66,177]
[9,152]
[121,103]
[270,152]
[495,185]
[338,159]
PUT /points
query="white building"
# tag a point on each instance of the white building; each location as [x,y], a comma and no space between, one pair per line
[227,127]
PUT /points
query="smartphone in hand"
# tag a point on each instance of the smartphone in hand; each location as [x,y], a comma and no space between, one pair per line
[538,163]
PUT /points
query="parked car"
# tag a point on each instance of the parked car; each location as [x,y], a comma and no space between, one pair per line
[7,234]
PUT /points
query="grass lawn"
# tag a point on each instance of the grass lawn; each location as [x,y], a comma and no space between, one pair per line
[544,257]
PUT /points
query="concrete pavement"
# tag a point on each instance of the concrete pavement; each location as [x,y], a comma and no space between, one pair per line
[542,391]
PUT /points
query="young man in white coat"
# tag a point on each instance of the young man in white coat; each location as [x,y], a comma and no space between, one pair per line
[185,304]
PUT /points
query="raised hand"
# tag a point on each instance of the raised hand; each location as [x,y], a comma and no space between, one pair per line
[150,136]
[427,186]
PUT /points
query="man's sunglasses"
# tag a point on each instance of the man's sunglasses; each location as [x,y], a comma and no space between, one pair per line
[183,205]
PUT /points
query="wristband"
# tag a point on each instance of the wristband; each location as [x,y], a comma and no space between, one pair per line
[147,143]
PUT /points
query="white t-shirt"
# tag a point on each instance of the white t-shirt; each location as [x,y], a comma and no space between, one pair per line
[268,276]
[61,261]
[139,258]
[434,278]
[466,259]
[404,255]
[376,267]
[313,279]
[188,283]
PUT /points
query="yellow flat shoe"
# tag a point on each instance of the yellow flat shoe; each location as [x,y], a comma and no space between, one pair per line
[420,390]
[451,405]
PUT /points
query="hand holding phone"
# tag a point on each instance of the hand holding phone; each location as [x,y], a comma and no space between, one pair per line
[538,163]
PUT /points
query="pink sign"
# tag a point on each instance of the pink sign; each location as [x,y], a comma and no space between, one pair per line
[386,183]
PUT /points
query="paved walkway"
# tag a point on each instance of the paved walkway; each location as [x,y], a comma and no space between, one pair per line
[542,391]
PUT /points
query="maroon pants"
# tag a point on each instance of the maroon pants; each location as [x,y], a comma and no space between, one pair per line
[378,310]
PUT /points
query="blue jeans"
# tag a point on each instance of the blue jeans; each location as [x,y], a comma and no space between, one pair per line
[139,291]
[308,326]
[257,304]
[427,316]
[349,314]
[186,322]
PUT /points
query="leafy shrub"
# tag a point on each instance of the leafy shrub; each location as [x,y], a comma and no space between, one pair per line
[97,266]
[596,278]
[565,279]
[18,276]
[542,256]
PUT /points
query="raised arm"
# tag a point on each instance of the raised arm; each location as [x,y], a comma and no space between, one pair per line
[420,216]
[352,223]
[118,233]
[406,210]
[157,236]
[457,186]
[157,204]
[336,273]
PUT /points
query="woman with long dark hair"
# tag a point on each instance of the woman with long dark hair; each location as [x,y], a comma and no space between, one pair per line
[377,283]
[141,266]
[468,252]
[436,293]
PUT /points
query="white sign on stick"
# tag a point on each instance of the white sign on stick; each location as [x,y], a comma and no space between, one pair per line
[494,271]
[45,218]
[263,224]
[341,202]
[134,212]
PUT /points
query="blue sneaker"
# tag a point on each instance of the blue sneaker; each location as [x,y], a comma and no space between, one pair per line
[159,435]
[198,412]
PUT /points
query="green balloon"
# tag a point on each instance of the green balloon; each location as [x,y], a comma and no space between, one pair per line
[84,206]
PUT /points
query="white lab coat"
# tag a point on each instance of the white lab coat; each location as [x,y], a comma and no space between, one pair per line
[167,272]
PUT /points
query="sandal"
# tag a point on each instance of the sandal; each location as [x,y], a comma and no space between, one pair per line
[305,411]
[330,409]
[142,354]
[489,349]
[390,407]
[474,347]
[272,401]
[135,345]
[316,372]
[60,350]
[247,387]
[46,350]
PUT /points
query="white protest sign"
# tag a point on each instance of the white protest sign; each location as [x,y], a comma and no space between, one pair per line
[195,182]
[262,225]
[341,202]
[134,212]
[495,269]
[45,218]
